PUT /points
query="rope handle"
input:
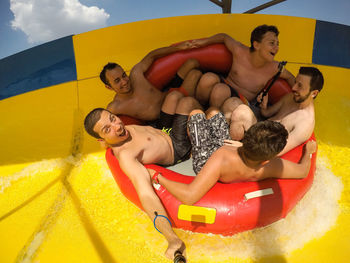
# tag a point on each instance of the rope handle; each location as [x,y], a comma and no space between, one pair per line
[274,78]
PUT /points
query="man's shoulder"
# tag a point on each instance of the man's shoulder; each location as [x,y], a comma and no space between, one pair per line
[123,153]
[239,48]
[116,106]
[228,153]
[136,72]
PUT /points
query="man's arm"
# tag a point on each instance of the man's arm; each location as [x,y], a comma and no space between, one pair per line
[229,42]
[273,109]
[147,61]
[299,134]
[280,168]
[289,77]
[202,183]
[140,178]
[114,107]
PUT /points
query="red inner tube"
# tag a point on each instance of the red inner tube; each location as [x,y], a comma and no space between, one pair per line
[233,212]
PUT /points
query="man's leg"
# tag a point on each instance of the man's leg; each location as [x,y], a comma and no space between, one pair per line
[190,82]
[178,132]
[219,94]
[205,86]
[186,105]
[187,66]
[211,112]
[199,135]
[229,106]
[186,78]
[190,74]
[170,102]
[241,120]
[166,115]
[219,128]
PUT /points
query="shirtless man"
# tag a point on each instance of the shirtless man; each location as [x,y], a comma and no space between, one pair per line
[137,97]
[135,145]
[254,160]
[252,67]
[295,110]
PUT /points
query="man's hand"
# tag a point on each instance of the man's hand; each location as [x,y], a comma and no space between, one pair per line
[310,147]
[263,103]
[185,45]
[176,245]
[151,173]
[197,43]
[232,143]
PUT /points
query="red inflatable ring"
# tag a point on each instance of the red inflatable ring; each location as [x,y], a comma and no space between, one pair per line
[227,208]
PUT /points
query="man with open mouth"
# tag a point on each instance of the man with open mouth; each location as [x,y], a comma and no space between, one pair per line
[252,68]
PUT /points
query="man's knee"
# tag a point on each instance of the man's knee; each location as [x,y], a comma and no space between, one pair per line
[231,104]
[209,79]
[212,111]
[219,94]
[173,97]
[237,131]
[194,74]
[242,113]
[194,112]
[186,105]
[205,86]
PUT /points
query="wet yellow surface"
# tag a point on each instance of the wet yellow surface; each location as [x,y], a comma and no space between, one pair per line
[60,203]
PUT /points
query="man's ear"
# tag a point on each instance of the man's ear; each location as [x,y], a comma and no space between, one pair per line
[108,87]
[314,93]
[263,163]
[256,45]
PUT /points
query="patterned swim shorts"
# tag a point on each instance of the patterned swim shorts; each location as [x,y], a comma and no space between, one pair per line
[206,137]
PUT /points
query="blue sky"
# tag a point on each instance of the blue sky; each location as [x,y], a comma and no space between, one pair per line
[27,23]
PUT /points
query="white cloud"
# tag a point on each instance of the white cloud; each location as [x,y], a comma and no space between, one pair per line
[45,20]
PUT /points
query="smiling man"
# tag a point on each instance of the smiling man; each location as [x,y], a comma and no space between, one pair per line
[295,110]
[135,145]
[137,97]
[252,67]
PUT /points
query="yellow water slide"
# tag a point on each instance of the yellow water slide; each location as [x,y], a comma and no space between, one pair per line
[58,199]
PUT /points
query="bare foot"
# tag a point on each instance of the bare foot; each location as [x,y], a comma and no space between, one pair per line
[175,246]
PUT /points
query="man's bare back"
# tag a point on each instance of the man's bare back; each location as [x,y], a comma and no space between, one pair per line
[232,168]
[254,160]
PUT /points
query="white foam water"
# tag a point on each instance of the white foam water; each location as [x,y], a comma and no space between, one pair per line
[311,218]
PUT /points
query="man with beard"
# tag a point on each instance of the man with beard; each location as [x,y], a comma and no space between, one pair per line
[295,110]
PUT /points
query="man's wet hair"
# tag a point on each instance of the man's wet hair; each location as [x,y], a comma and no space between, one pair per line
[316,82]
[264,140]
[90,121]
[259,32]
[108,66]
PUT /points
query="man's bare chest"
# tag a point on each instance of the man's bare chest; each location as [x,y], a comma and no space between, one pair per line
[246,77]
